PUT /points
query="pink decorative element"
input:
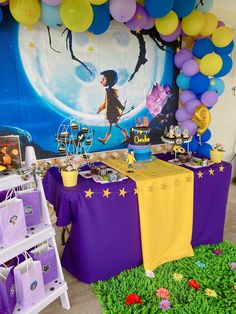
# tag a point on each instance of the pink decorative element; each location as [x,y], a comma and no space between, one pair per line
[156,100]
[163,293]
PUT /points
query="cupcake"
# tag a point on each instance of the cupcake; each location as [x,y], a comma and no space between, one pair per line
[84,130]
[64,134]
[74,126]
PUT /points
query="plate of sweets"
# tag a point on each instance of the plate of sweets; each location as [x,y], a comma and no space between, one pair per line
[198,162]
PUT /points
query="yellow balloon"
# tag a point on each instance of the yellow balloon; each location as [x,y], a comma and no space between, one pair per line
[193,23]
[140,2]
[167,24]
[77,15]
[97,2]
[26,12]
[202,118]
[210,64]
[210,24]
[222,36]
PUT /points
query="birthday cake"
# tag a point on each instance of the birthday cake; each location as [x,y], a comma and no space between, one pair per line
[140,143]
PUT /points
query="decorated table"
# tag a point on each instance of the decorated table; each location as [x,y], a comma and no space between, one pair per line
[105,220]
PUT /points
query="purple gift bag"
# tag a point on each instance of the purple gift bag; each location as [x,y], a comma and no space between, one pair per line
[12,221]
[7,290]
[32,206]
[29,282]
[46,255]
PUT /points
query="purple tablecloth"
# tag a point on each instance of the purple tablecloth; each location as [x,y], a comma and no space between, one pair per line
[105,232]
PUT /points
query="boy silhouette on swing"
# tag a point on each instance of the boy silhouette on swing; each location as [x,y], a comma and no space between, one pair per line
[112,105]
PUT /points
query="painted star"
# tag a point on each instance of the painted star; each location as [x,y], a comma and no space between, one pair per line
[221,168]
[139,17]
[213,82]
[31,45]
[200,174]
[189,179]
[164,186]
[106,193]
[177,50]
[211,171]
[90,35]
[29,28]
[135,191]
[90,48]
[88,193]
[137,31]
[122,192]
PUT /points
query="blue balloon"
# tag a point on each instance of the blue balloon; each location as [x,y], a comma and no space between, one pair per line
[1,15]
[158,8]
[50,15]
[204,150]
[183,81]
[192,145]
[205,136]
[101,19]
[202,47]
[226,67]
[204,6]
[183,8]
[199,83]
[226,50]
[217,85]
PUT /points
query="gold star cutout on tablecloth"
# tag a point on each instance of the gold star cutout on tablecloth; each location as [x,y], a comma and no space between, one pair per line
[213,82]
[139,17]
[106,193]
[150,188]
[177,50]
[90,48]
[88,193]
[137,31]
[135,191]
[122,192]
[31,45]
[29,28]
[211,171]
[200,174]
[177,182]
[189,179]
[164,186]
[221,168]
[90,35]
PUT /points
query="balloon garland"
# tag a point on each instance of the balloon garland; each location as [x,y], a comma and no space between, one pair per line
[202,61]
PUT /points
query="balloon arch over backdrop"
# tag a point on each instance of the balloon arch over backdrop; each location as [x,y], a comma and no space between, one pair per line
[202,61]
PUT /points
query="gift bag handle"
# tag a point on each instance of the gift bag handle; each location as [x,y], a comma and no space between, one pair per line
[38,246]
[2,274]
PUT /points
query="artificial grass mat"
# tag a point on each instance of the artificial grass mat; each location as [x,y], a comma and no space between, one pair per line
[215,272]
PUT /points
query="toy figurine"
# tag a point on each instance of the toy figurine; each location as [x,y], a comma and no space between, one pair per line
[177,131]
[185,133]
[130,159]
[171,132]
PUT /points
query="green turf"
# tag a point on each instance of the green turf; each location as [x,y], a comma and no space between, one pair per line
[216,275]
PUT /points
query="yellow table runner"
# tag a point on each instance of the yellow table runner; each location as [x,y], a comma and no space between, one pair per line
[165,196]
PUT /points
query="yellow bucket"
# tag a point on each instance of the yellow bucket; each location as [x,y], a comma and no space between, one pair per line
[216,156]
[69,178]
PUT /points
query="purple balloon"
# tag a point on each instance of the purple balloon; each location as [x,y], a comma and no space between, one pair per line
[190,125]
[182,114]
[191,106]
[220,23]
[150,23]
[190,67]
[186,96]
[173,36]
[52,2]
[182,56]
[139,19]
[122,10]
[209,98]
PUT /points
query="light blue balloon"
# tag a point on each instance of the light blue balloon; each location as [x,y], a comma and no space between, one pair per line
[50,15]
[183,81]
[206,7]
[217,85]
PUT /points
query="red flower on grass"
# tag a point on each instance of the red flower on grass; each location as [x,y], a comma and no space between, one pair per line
[194,284]
[133,299]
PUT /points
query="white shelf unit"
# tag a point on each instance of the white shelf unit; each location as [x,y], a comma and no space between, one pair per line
[36,235]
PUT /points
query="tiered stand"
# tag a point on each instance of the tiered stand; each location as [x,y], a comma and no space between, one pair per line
[177,141]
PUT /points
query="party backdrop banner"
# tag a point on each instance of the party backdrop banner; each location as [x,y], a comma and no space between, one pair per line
[106,82]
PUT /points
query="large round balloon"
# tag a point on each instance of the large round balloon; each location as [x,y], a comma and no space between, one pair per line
[192,105]
[209,98]
[186,96]
[192,146]
[193,23]
[199,83]
[77,15]
[182,56]
[222,36]
[204,6]
[183,81]
[190,67]
[158,8]
[122,10]
[173,36]
[225,50]
[210,24]
[50,15]
[150,23]
[52,2]
[204,150]
[168,24]
[190,125]
[226,67]
[205,136]
[97,2]
[139,19]
[210,64]
[182,114]
[202,118]
[183,7]
[101,19]
[25,12]
[202,47]
[217,85]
